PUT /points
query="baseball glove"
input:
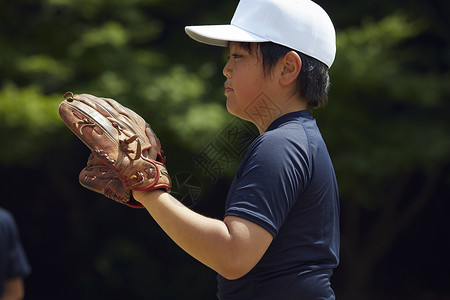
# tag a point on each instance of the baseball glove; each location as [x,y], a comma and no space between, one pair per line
[126,154]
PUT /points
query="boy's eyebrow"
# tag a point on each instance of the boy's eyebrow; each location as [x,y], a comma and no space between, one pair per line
[229,44]
[234,47]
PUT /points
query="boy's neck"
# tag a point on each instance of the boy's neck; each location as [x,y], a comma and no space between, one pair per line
[267,109]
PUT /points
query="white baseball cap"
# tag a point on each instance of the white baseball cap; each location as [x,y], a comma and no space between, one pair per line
[301,25]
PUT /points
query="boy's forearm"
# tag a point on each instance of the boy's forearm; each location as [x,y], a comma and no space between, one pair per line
[206,239]
[13,289]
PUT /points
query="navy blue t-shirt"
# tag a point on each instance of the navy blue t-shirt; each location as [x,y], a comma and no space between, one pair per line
[286,184]
[13,262]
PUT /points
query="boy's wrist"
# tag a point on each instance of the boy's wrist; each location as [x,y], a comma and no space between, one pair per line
[143,196]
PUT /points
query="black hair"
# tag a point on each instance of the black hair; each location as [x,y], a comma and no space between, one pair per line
[313,81]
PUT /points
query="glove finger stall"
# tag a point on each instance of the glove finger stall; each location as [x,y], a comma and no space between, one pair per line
[104,180]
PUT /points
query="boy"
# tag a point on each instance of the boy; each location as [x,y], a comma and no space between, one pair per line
[14,265]
[279,238]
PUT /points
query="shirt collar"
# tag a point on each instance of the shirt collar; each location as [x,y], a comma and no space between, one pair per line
[289,117]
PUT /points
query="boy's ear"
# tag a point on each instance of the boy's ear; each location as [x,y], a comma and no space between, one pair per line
[291,66]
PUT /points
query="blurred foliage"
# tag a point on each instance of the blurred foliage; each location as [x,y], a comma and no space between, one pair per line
[29,121]
[386,127]
[391,118]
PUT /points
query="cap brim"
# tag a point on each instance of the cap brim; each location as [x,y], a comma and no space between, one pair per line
[220,35]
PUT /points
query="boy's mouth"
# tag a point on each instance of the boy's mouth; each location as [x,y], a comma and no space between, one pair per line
[227,88]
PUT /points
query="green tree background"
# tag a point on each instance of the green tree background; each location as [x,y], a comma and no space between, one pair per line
[386,127]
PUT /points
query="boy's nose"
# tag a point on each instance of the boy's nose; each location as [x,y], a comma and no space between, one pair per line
[227,70]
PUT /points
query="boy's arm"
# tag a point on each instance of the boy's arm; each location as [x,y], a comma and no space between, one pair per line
[231,247]
[13,289]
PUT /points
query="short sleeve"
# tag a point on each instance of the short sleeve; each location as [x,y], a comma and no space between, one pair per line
[272,175]
[16,262]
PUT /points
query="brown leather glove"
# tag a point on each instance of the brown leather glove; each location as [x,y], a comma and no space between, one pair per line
[126,154]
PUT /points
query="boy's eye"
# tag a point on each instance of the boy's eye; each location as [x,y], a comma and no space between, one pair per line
[235,56]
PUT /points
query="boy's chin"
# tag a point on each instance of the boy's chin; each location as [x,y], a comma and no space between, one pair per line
[232,109]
